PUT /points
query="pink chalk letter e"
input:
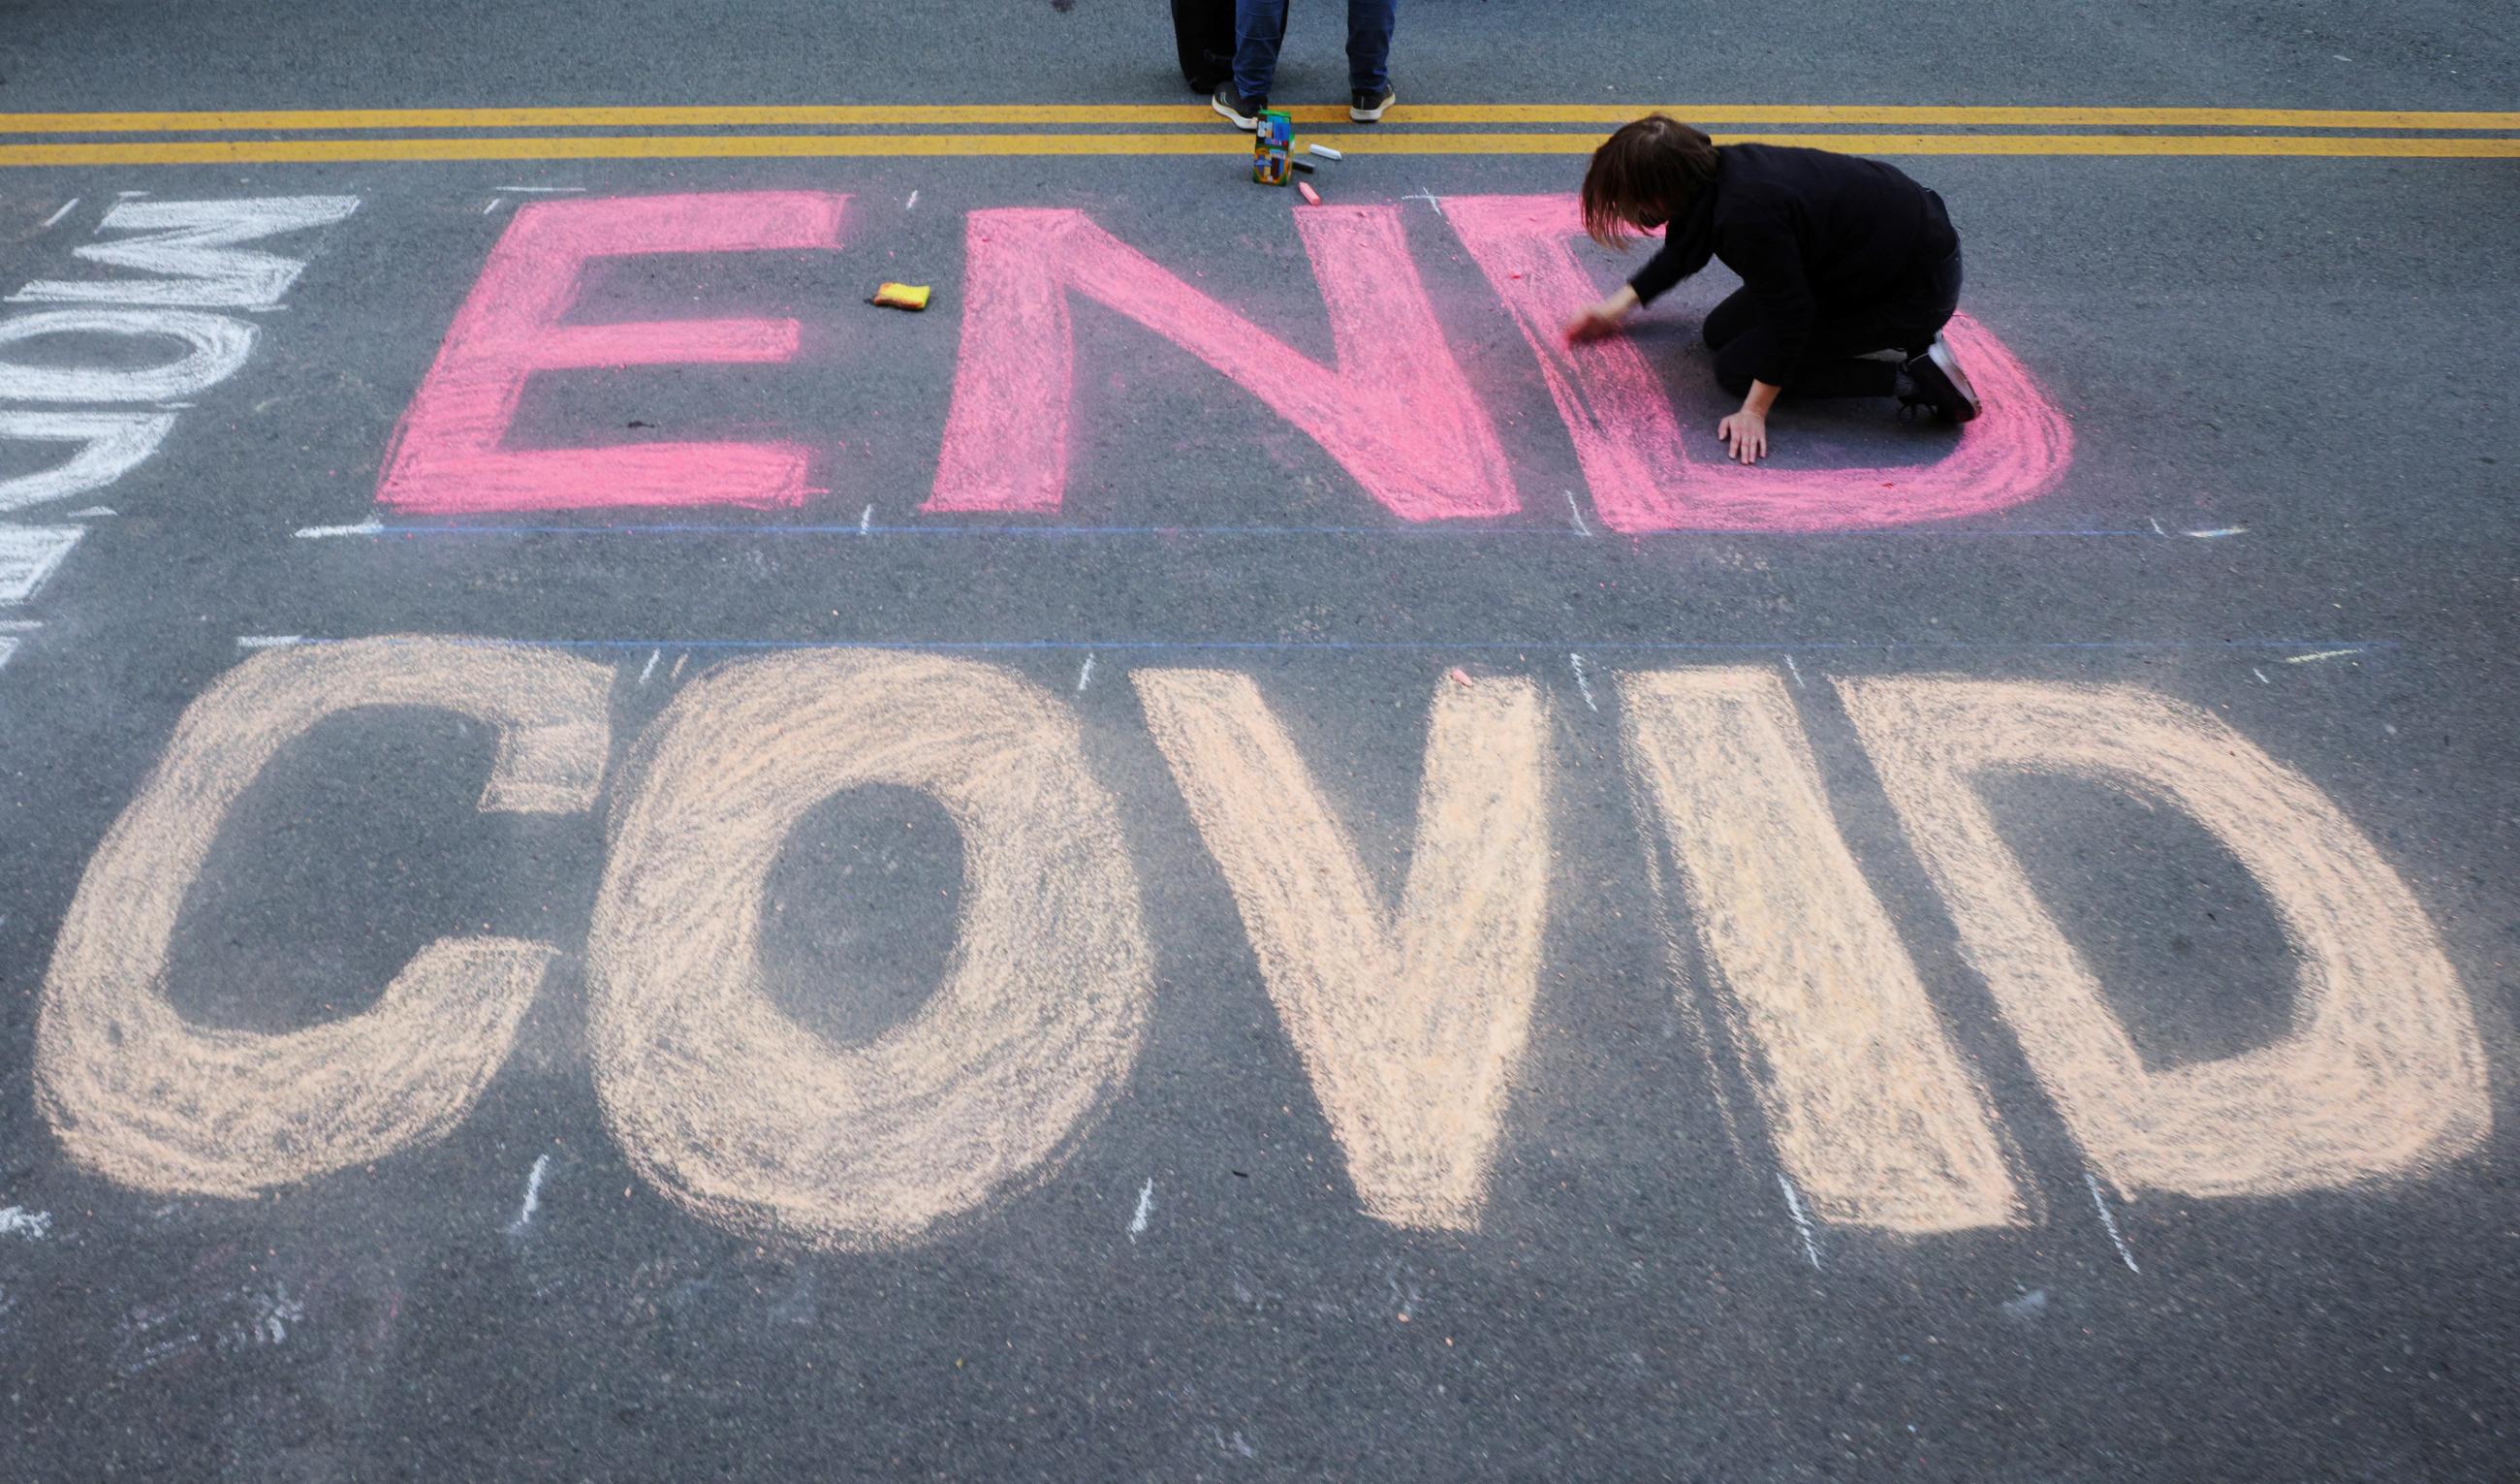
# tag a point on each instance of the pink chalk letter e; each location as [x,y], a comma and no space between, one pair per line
[447,457]
[1627,437]
[1396,413]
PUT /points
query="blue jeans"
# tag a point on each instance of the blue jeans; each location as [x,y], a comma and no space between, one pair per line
[1260,29]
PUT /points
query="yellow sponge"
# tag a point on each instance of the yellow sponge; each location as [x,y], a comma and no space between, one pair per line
[901,296]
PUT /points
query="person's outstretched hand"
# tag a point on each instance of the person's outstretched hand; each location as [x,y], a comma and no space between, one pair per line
[1599,322]
[1595,323]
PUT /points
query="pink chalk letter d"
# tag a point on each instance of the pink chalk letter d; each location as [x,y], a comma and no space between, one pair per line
[446,457]
[1396,413]
[1627,437]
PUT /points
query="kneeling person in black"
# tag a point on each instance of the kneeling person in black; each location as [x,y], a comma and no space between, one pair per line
[1840,257]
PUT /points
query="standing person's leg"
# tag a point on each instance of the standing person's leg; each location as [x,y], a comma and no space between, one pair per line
[1369,56]
[1203,38]
[1259,30]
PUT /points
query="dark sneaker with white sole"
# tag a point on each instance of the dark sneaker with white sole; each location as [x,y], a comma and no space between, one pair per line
[1935,379]
[1241,112]
[1367,108]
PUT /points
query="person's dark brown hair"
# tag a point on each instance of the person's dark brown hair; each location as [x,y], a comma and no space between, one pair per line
[1648,173]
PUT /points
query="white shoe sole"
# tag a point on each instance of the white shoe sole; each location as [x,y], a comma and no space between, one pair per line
[1245,124]
[1371,116]
[1949,365]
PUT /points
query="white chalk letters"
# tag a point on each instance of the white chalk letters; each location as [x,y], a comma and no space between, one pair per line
[1410,1011]
[188,262]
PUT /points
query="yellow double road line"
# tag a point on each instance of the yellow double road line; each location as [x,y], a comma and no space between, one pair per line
[270,137]
[935,115]
[863,145]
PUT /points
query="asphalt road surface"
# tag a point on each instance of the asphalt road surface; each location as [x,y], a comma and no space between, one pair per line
[1213,858]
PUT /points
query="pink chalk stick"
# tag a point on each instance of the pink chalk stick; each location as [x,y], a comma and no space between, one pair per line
[1304,188]
[446,456]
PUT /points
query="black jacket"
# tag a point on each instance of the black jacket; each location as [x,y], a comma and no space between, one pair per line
[1809,232]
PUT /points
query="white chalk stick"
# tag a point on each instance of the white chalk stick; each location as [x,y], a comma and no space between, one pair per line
[1326,152]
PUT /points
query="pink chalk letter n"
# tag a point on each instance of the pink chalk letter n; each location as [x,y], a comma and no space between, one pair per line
[447,459]
[1396,413]
[1627,437]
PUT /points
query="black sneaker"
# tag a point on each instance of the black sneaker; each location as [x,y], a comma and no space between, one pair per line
[1241,112]
[1935,379]
[1367,108]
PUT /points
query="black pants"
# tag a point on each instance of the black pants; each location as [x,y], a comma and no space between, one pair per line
[1907,320]
[1203,33]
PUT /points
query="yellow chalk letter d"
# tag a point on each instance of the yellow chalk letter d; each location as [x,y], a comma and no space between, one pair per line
[2382,1070]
